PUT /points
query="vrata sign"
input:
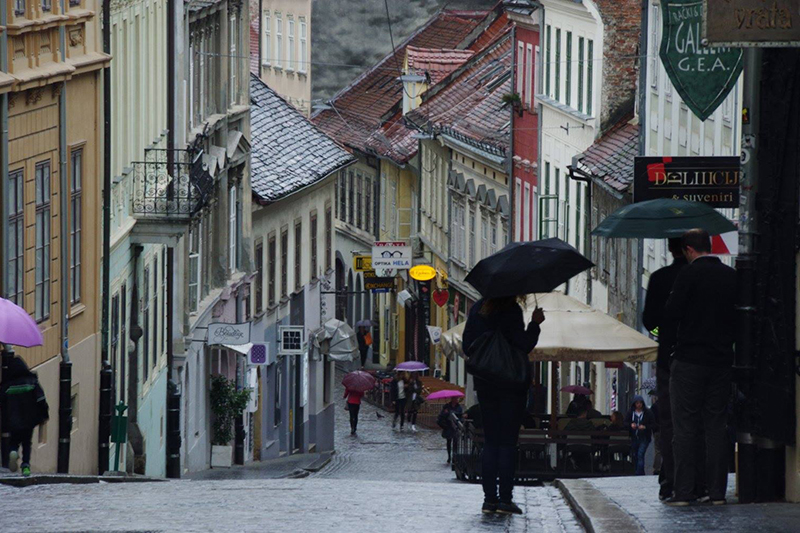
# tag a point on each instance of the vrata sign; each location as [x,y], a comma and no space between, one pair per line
[710,180]
[703,76]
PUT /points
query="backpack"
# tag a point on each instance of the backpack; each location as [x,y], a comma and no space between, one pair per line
[492,359]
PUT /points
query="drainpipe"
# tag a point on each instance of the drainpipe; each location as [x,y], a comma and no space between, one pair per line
[106,375]
[510,159]
[4,193]
[65,380]
[642,115]
[578,175]
[173,391]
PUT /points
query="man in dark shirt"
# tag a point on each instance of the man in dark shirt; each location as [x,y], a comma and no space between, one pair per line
[658,291]
[701,309]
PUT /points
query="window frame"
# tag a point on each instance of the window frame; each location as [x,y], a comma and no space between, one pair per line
[548,55]
[589,76]
[290,42]
[43,298]
[529,76]
[259,279]
[272,252]
[581,64]
[302,65]
[76,225]
[568,81]
[266,44]
[558,66]
[16,232]
[328,238]
[284,261]
[233,227]
[278,41]
[313,259]
[298,255]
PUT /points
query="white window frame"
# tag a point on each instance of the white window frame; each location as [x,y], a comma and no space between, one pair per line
[76,225]
[278,41]
[520,67]
[520,216]
[195,265]
[527,230]
[232,228]
[655,62]
[529,76]
[233,64]
[266,46]
[290,45]
[303,59]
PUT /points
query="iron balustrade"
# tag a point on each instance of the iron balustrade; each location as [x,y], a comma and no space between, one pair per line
[171,185]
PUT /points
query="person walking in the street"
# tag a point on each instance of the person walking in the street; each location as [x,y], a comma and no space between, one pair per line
[354,406]
[24,407]
[658,291]
[640,424]
[399,388]
[445,422]
[701,311]
[363,346]
[415,400]
[502,410]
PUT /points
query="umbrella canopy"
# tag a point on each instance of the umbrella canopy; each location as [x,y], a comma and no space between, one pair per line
[443,394]
[576,389]
[364,324]
[337,340]
[573,331]
[527,267]
[17,327]
[451,341]
[662,219]
[412,366]
[358,381]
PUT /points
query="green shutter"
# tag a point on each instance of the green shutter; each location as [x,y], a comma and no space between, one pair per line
[547,64]
[580,74]
[590,68]
[568,90]
[558,64]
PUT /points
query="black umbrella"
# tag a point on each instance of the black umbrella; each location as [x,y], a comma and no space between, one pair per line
[661,219]
[527,267]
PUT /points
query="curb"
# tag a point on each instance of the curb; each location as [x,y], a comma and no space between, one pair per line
[596,512]
[45,479]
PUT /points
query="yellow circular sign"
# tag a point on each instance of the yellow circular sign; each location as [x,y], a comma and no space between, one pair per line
[422,272]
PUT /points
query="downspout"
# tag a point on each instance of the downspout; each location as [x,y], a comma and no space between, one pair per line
[4,193]
[173,448]
[65,367]
[578,175]
[512,225]
[642,115]
[540,111]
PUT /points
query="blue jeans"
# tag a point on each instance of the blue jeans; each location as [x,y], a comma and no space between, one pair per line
[638,451]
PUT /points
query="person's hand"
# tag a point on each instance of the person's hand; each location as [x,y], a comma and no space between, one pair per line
[641,426]
[538,315]
[633,426]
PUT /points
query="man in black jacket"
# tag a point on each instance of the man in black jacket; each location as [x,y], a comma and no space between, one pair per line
[701,308]
[658,291]
[24,407]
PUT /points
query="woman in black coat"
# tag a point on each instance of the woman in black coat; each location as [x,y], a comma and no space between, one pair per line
[640,422]
[502,410]
[445,422]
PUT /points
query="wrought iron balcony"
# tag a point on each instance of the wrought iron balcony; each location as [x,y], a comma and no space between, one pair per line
[170,185]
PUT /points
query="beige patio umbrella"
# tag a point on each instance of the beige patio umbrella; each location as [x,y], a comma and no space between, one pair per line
[574,331]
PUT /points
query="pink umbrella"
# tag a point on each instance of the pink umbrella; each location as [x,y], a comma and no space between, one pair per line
[412,366]
[576,389]
[17,327]
[444,394]
[358,381]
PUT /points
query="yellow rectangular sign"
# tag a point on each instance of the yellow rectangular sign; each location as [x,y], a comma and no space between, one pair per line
[362,263]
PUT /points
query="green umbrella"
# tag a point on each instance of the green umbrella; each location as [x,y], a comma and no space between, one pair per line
[662,219]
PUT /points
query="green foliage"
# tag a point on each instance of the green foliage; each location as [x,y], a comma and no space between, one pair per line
[226,403]
[512,99]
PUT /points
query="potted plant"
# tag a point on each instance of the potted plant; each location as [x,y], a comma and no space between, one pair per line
[513,100]
[226,404]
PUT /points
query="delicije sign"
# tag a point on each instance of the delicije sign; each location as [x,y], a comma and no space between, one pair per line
[703,76]
[711,180]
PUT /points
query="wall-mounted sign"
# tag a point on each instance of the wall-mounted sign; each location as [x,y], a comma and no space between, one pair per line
[234,334]
[372,282]
[259,354]
[422,272]
[703,76]
[291,340]
[435,333]
[752,22]
[391,255]
[711,180]
[362,263]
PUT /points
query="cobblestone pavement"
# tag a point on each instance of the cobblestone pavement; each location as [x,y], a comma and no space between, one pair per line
[638,496]
[381,480]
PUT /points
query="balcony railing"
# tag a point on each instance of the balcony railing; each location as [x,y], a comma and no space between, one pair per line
[170,185]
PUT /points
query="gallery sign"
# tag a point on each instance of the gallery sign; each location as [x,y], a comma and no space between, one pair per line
[233,334]
[702,76]
[711,180]
[391,255]
[752,22]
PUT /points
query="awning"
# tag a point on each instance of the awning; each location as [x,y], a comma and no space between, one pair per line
[573,331]
[243,349]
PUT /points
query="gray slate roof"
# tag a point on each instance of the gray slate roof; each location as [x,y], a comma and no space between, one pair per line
[288,151]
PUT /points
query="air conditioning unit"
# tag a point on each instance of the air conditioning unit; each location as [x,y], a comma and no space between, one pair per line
[291,340]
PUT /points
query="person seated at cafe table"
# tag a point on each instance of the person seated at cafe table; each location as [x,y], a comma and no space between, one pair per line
[581,422]
[591,412]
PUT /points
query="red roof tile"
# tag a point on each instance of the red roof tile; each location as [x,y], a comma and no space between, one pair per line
[611,156]
[436,62]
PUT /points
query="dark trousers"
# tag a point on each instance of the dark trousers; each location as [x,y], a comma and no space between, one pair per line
[354,408]
[364,352]
[23,437]
[699,396]
[666,474]
[400,410]
[638,451]
[412,416]
[449,449]
[502,417]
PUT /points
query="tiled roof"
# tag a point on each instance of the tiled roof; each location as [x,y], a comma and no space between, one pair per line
[288,151]
[496,28]
[361,107]
[611,156]
[436,62]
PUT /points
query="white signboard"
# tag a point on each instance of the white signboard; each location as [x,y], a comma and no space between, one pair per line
[235,334]
[391,255]
[436,334]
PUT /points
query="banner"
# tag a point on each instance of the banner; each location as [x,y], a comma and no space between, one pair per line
[711,180]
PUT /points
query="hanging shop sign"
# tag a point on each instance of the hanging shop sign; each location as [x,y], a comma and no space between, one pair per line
[373,282]
[259,355]
[362,263]
[441,297]
[435,333]
[752,22]
[711,180]
[233,334]
[391,255]
[702,75]
[422,272]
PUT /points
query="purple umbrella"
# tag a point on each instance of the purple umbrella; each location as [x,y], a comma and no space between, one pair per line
[412,366]
[17,327]
[576,389]
[443,394]
[358,381]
